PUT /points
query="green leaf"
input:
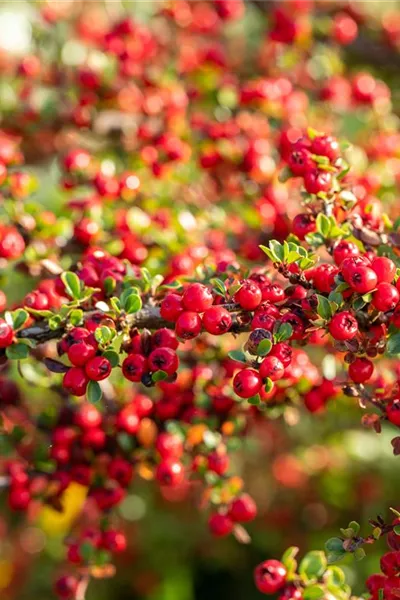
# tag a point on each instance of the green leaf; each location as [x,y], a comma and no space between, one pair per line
[87,551]
[264,347]
[237,355]
[219,286]
[115,304]
[334,544]
[314,592]
[334,549]
[343,173]
[277,250]
[104,335]
[290,552]
[336,298]
[17,351]
[125,441]
[323,225]
[93,392]
[284,332]
[76,316]
[354,526]
[112,357]
[72,284]
[269,253]
[393,345]
[55,322]
[324,308]
[269,384]
[396,529]
[314,239]
[133,304]
[359,554]
[19,318]
[159,376]
[254,400]
[109,285]
[358,304]
[334,576]
[313,565]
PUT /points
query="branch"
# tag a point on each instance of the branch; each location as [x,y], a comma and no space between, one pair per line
[147,318]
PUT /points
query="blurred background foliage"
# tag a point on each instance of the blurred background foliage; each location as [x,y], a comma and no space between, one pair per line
[308,479]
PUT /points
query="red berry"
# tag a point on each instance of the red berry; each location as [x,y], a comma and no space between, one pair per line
[197,298]
[300,161]
[114,541]
[170,472]
[386,297]
[363,280]
[302,225]
[87,416]
[272,367]
[324,277]
[325,145]
[343,326]
[66,587]
[344,249]
[220,525]
[344,30]
[171,307]
[169,445]
[86,231]
[349,265]
[93,438]
[128,420]
[218,462]
[316,181]
[163,359]
[384,268]
[80,353]
[12,243]
[188,325]
[243,509]
[164,338]
[375,583]
[75,381]
[390,563]
[249,295]
[6,334]
[314,401]
[270,576]
[77,160]
[18,498]
[217,320]
[291,592]
[134,367]
[247,383]
[361,370]
[282,351]
[98,368]
[393,412]
[273,293]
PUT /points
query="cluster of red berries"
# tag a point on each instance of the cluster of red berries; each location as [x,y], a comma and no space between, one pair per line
[185,312]
[243,509]
[150,354]
[88,364]
[387,584]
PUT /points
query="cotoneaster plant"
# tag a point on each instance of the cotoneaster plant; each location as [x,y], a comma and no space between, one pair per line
[209,235]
